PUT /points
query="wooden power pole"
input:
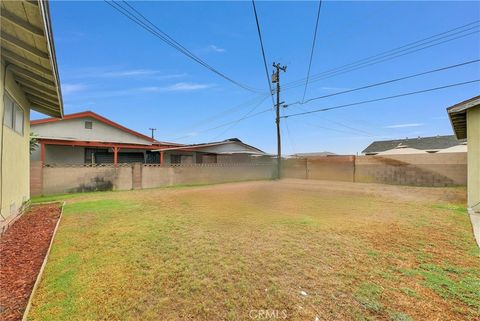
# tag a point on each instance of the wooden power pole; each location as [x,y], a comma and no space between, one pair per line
[276,80]
[153,132]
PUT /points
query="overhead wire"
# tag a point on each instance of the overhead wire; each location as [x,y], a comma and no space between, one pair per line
[389,54]
[239,120]
[263,51]
[149,26]
[313,48]
[381,99]
[387,82]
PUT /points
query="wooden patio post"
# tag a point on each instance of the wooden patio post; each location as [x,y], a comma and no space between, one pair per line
[161,157]
[42,152]
[115,156]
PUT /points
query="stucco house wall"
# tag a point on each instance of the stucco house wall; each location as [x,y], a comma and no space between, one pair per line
[15,167]
[473,138]
[75,129]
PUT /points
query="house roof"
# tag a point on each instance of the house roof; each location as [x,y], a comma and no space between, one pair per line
[223,142]
[29,53]
[91,114]
[458,115]
[420,143]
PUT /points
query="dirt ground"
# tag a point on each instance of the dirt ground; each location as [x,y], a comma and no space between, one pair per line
[266,250]
[22,250]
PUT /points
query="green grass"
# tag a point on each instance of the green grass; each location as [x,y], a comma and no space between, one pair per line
[452,282]
[368,294]
[218,252]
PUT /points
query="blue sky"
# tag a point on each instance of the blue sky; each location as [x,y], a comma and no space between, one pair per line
[111,66]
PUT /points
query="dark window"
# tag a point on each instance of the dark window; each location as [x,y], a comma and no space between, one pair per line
[88,125]
[18,124]
[175,159]
[13,115]
[8,112]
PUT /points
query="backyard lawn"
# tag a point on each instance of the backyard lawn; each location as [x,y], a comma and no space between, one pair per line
[287,250]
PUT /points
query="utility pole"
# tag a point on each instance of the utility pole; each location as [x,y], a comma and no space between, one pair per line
[276,80]
[153,132]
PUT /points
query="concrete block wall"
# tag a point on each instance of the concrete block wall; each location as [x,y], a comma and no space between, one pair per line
[295,168]
[338,168]
[157,176]
[444,169]
[61,179]
[449,169]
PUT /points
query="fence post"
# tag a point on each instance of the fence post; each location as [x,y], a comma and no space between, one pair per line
[306,168]
[354,167]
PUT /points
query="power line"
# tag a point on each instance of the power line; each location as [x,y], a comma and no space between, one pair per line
[313,48]
[228,123]
[388,81]
[239,120]
[383,98]
[290,138]
[389,54]
[333,129]
[263,51]
[149,26]
[227,111]
[395,50]
[351,128]
[386,59]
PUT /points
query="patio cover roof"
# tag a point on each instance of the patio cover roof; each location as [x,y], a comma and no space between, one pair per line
[28,50]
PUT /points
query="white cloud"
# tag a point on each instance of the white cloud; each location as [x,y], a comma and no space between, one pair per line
[181,86]
[128,73]
[72,88]
[216,49]
[95,72]
[404,125]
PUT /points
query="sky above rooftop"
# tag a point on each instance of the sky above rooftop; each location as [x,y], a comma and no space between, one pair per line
[111,66]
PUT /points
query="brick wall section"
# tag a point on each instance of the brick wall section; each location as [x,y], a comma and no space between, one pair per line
[137,176]
[36,182]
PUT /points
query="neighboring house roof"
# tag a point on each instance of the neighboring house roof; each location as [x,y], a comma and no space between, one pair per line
[458,115]
[315,154]
[219,143]
[420,143]
[29,53]
[91,114]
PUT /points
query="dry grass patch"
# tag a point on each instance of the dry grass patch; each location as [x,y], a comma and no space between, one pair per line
[298,249]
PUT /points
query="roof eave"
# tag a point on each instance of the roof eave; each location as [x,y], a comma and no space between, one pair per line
[45,11]
[458,116]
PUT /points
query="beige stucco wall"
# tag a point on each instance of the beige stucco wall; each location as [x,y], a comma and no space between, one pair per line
[473,137]
[15,166]
[75,129]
